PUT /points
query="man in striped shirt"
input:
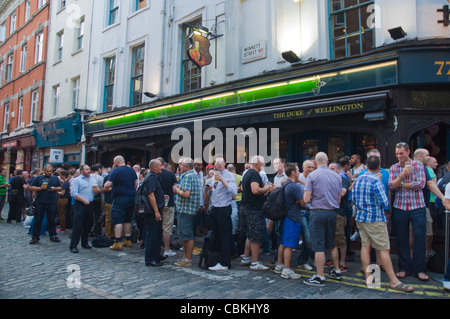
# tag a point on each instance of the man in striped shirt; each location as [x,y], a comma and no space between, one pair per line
[369,196]
[407,178]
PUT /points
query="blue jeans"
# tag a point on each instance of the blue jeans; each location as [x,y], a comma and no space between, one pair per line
[306,250]
[401,221]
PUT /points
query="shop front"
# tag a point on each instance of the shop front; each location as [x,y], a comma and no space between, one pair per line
[59,141]
[18,152]
[340,107]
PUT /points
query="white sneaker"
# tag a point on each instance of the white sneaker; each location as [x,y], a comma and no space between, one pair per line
[278,269]
[258,266]
[290,274]
[306,266]
[170,253]
[446,285]
[246,261]
[354,236]
[218,267]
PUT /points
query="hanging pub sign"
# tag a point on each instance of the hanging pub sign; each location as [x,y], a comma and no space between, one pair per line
[198,51]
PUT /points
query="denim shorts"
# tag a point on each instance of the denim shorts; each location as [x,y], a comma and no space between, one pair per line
[122,210]
[185,225]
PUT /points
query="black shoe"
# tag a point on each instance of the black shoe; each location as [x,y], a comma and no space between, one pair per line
[154,264]
[315,281]
[87,246]
[74,250]
[34,241]
[161,258]
[335,275]
[55,239]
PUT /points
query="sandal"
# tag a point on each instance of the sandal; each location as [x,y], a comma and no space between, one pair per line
[403,287]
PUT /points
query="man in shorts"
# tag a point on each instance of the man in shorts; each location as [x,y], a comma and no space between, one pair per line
[292,226]
[187,203]
[124,182]
[370,199]
[323,191]
[252,219]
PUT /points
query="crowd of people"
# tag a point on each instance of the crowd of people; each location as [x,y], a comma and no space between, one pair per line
[328,204]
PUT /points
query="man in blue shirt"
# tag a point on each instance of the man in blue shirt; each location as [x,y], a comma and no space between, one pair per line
[124,183]
[83,190]
[46,187]
[292,226]
[370,199]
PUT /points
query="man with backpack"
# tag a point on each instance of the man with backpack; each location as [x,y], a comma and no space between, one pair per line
[291,229]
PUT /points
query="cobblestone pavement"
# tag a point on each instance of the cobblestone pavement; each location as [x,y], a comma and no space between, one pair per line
[46,271]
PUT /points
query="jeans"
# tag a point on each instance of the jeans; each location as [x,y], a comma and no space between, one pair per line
[306,250]
[82,223]
[401,221]
[222,239]
[50,210]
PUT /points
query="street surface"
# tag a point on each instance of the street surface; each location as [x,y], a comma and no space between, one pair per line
[50,271]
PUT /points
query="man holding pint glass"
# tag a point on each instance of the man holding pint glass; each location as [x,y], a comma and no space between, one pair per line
[46,187]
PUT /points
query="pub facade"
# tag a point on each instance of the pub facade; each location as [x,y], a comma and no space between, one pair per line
[331,93]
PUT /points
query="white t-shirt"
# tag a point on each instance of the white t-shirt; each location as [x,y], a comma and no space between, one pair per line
[447,191]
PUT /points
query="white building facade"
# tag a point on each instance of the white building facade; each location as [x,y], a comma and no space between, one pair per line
[138,62]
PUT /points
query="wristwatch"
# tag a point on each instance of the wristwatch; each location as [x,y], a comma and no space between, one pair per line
[402,183]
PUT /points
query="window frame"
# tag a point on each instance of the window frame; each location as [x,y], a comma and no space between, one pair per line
[113,12]
[109,85]
[59,45]
[333,14]
[39,48]
[56,99]
[6,119]
[136,99]
[34,105]
[186,63]
[76,92]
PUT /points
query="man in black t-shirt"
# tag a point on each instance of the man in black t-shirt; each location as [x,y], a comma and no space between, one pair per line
[253,222]
[124,183]
[17,201]
[46,187]
[153,219]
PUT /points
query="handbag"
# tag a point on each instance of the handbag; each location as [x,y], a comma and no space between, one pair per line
[31,211]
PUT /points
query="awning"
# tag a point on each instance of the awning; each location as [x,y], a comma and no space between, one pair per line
[296,111]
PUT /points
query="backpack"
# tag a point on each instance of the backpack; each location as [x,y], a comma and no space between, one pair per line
[102,241]
[141,202]
[274,207]
[208,257]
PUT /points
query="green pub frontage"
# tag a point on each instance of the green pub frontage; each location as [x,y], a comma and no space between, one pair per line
[342,107]
[59,141]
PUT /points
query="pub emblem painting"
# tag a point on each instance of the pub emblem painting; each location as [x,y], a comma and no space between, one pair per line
[198,51]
